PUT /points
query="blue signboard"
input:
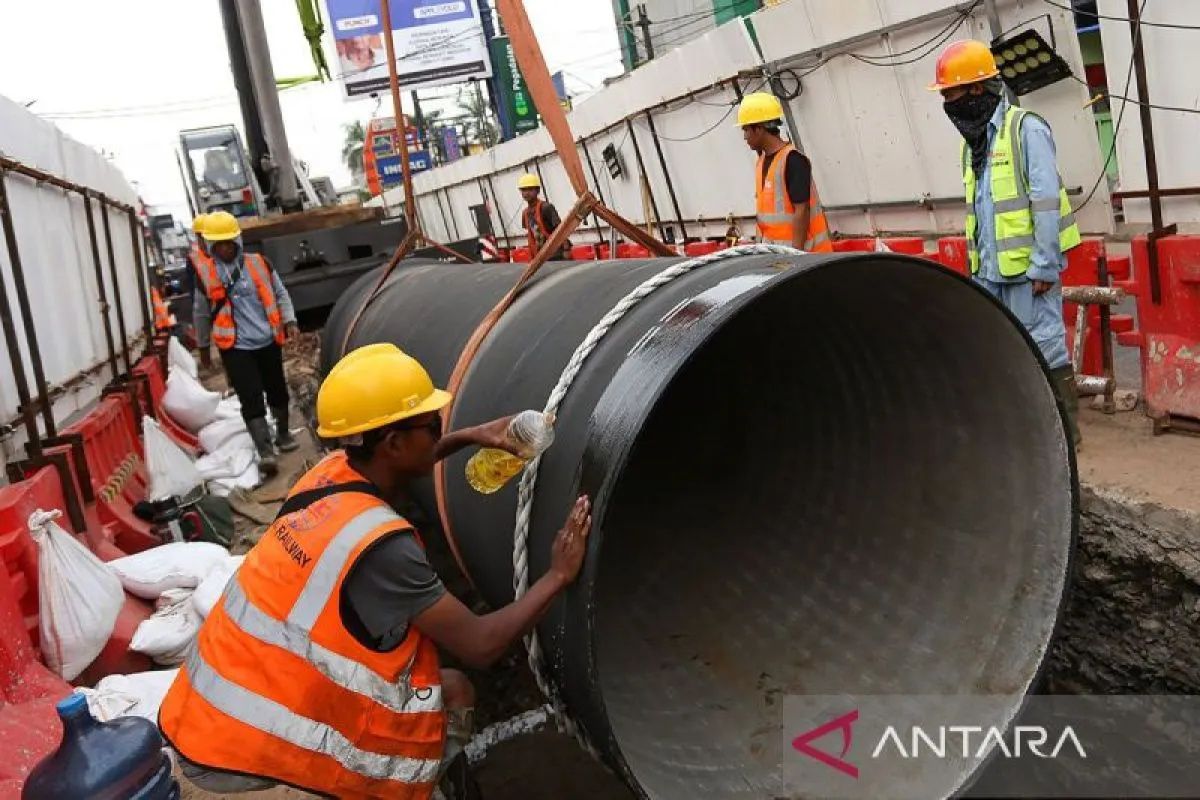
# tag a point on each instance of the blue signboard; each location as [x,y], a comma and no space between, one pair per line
[390,173]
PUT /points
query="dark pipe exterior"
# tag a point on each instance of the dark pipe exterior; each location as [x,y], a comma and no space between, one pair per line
[802,467]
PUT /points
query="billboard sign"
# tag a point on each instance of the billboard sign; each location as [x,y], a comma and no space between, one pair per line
[514,94]
[437,42]
[381,154]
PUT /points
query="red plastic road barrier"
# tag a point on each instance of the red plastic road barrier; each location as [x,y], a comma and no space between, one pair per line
[19,572]
[854,245]
[583,252]
[1168,333]
[697,249]
[952,253]
[521,255]
[151,368]
[909,245]
[29,726]
[603,252]
[630,250]
[116,472]
[1081,270]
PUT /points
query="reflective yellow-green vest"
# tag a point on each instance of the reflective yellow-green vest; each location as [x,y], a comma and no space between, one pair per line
[1013,207]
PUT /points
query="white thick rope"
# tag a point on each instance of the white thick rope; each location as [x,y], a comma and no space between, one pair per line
[529,477]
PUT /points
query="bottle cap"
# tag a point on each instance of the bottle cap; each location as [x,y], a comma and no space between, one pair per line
[71,704]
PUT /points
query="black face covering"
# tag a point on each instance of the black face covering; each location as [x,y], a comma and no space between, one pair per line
[970,114]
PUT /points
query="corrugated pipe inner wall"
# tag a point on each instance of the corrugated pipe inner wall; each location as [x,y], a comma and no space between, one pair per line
[811,475]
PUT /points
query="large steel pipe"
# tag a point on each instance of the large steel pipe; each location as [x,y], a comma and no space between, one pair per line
[811,475]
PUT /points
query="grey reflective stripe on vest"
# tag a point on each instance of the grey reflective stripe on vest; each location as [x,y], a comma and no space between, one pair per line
[256,265]
[345,672]
[1014,243]
[277,720]
[324,577]
[1066,222]
[820,238]
[1046,204]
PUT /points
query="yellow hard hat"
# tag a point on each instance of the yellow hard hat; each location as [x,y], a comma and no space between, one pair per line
[221,226]
[374,386]
[199,222]
[962,63]
[757,108]
[529,181]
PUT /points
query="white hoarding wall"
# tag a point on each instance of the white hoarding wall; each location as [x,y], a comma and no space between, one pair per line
[884,155]
[436,42]
[1172,82]
[56,256]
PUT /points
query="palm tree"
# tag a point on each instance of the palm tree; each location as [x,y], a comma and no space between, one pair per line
[352,148]
[479,125]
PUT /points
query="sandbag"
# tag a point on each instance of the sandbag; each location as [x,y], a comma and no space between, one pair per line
[189,403]
[229,460]
[172,473]
[178,357]
[216,434]
[229,408]
[209,591]
[137,695]
[78,598]
[167,635]
[249,479]
[176,565]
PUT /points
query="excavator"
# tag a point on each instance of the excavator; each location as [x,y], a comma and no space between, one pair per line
[317,246]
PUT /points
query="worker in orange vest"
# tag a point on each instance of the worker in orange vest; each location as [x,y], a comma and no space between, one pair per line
[539,217]
[319,667]
[164,320]
[789,211]
[242,307]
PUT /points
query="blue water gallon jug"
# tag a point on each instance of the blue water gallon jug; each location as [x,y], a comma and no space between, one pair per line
[115,760]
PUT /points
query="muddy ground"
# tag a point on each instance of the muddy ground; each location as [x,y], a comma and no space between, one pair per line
[1132,623]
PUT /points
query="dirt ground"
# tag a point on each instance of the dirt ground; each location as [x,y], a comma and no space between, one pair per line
[1118,636]
[1121,453]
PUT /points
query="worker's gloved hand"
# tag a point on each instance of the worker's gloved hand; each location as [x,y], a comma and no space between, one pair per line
[570,546]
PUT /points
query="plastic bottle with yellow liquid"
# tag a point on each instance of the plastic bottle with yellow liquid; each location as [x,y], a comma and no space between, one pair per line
[530,433]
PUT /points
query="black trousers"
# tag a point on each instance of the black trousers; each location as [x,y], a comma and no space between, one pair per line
[253,373]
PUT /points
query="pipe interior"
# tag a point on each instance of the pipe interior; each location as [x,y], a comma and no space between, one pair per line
[860,484]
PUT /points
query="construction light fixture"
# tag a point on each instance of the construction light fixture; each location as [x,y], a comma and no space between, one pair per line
[612,160]
[1028,62]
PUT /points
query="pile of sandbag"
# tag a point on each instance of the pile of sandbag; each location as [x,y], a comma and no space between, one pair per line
[138,695]
[230,460]
[185,579]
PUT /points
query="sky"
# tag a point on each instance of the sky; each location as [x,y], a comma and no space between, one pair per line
[125,77]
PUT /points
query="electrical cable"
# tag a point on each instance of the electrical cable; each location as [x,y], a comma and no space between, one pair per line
[1179,109]
[1127,20]
[1112,148]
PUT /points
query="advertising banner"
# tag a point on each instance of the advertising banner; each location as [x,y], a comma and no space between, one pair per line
[514,94]
[437,42]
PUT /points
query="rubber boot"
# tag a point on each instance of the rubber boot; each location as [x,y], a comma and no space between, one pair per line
[260,432]
[1064,387]
[283,437]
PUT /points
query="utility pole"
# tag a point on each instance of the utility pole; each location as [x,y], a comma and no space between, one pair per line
[262,74]
[644,23]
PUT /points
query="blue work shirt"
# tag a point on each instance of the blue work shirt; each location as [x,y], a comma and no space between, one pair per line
[249,317]
[1041,168]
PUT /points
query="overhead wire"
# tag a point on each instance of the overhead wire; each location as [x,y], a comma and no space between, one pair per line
[1112,148]
[1148,24]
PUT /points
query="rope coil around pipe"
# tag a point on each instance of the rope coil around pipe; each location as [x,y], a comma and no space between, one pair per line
[561,388]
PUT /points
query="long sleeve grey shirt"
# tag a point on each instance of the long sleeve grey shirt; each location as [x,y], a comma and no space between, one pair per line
[249,317]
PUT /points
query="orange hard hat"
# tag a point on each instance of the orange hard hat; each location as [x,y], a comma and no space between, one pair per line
[965,62]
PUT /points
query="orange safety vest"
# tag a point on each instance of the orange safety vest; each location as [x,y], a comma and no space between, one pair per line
[277,687]
[224,332]
[776,210]
[163,320]
[529,217]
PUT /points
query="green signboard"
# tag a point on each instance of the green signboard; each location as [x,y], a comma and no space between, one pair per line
[513,91]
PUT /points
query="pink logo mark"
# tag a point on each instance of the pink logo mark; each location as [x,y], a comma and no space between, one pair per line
[802,743]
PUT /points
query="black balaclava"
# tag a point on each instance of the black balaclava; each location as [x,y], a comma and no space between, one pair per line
[971,114]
